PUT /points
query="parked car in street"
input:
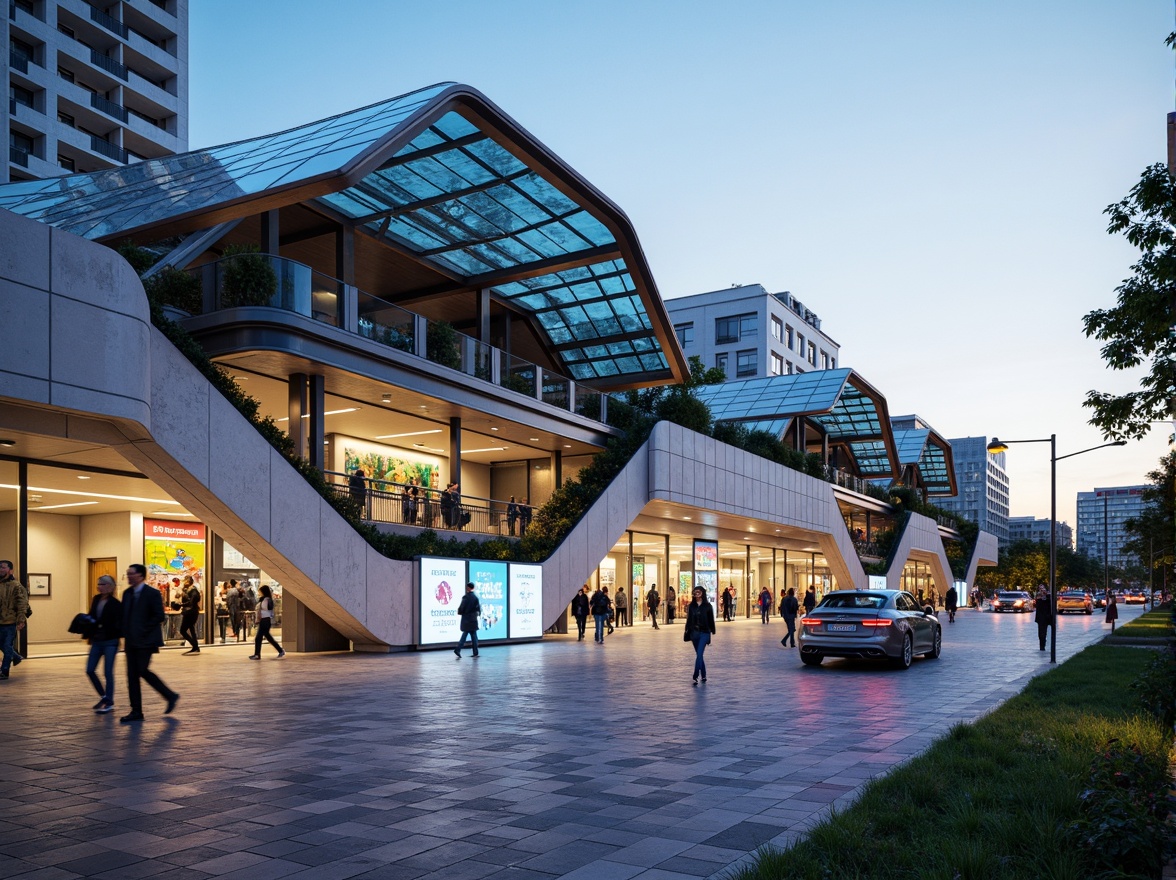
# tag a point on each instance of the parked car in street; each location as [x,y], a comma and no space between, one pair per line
[870,624]
[1075,600]
[1012,600]
[1136,597]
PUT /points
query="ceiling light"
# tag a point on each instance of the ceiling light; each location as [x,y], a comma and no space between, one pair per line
[170,513]
[493,429]
[74,504]
[387,398]
[91,494]
[687,517]
[486,449]
[7,442]
[330,412]
[408,434]
[82,477]
[534,439]
[567,446]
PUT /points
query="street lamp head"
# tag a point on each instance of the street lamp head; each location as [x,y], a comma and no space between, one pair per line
[997,446]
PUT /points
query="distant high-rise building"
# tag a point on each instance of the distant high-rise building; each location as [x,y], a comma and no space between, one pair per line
[983,487]
[93,85]
[748,332]
[1101,518]
[1028,528]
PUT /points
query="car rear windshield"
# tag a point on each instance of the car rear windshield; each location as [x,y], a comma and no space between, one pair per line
[855,600]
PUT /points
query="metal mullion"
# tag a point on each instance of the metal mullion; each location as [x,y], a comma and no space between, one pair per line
[549,288]
[429,202]
[529,228]
[443,147]
[422,218]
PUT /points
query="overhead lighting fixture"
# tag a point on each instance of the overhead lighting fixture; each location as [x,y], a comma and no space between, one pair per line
[387,398]
[330,412]
[487,449]
[6,442]
[687,517]
[59,506]
[170,513]
[91,494]
[534,439]
[408,434]
[567,446]
[82,477]
[493,429]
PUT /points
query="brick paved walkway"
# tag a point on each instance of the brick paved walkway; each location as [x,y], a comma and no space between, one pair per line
[560,759]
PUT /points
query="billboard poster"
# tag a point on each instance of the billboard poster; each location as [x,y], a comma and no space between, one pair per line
[442,583]
[174,551]
[489,579]
[526,601]
[706,568]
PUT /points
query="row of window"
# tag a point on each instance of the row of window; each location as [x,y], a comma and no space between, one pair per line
[738,328]
[22,54]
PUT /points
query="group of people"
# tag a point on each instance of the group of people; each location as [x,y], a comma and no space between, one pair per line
[518,513]
[607,610]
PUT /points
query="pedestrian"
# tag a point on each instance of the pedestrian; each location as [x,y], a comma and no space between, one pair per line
[236,611]
[765,605]
[525,513]
[222,611]
[728,603]
[469,610]
[580,611]
[357,489]
[700,627]
[653,601]
[14,609]
[408,504]
[512,515]
[950,602]
[448,502]
[789,608]
[622,605]
[190,605]
[1112,610]
[142,609]
[1043,615]
[265,620]
[671,603]
[106,612]
[601,606]
[810,600]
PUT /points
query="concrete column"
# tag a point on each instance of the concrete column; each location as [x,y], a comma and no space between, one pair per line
[306,421]
[316,430]
[482,306]
[269,232]
[455,450]
[345,254]
[297,402]
[557,468]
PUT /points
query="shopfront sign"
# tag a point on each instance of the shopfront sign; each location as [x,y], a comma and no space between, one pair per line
[174,551]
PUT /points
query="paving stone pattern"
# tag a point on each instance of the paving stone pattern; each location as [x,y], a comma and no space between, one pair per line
[559,759]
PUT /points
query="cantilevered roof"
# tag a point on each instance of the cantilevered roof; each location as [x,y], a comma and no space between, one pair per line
[839,402]
[441,175]
[931,454]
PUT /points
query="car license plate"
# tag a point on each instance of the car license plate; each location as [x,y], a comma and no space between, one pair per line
[841,627]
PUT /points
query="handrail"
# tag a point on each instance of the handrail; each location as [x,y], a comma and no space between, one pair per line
[302,290]
[388,501]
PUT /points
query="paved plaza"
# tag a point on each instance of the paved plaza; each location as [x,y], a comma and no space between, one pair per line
[559,759]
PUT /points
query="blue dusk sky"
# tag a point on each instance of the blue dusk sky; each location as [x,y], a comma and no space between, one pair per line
[928,177]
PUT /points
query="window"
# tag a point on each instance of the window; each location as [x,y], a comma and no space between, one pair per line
[21,143]
[824,360]
[66,75]
[812,354]
[788,334]
[800,344]
[789,368]
[685,332]
[721,362]
[20,95]
[22,51]
[27,6]
[65,118]
[733,328]
[746,363]
[777,329]
[67,163]
[777,365]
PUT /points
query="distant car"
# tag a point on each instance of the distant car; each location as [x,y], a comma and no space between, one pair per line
[1135,597]
[1075,600]
[870,624]
[1100,599]
[1012,600]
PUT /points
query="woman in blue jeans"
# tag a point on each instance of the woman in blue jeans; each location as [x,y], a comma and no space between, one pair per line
[106,611]
[700,626]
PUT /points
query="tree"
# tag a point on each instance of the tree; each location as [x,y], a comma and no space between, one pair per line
[1138,330]
[1153,530]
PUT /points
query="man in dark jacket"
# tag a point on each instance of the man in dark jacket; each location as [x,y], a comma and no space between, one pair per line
[470,610]
[788,610]
[810,600]
[951,603]
[765,604]
[142,637]
[653,600]
[580,610]
[1043,615]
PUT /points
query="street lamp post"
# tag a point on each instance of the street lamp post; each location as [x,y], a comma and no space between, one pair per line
[1002,445]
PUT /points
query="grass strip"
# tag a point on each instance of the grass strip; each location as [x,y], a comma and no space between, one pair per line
[991,800]
[1154,624]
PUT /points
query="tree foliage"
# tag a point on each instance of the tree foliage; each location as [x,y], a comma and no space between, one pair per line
[1137,331]
[1153,530]
[1025,564]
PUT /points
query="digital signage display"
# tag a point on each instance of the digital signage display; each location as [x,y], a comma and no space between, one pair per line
[489,579]
[442,586]
[706,568]
[526,601]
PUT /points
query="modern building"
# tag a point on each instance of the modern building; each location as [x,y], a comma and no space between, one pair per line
[1102,516]
[93,85]
[421,289]
[748,332]
[983,483]
[1028,528]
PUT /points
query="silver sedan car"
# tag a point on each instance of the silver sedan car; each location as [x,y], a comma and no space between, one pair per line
[871,624]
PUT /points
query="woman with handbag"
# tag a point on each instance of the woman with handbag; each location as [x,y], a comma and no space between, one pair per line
[265,619]
[190,613]
[106,612]
[700,626]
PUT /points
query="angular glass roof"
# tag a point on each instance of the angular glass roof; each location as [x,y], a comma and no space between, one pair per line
[845,408]
[924,448]
[455,197]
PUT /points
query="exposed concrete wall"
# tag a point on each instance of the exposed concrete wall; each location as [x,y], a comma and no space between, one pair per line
[986,552]
[920,542]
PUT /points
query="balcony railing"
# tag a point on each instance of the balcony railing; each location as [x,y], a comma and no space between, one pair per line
[108,64]
[106,148]
[19,61]
[110,108]
[390,502]
[18,157]
[109,22]
[301,290]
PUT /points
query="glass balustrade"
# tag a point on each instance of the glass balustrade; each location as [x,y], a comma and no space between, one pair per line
[389,325]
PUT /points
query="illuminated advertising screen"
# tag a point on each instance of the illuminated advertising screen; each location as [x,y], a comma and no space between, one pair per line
[706,568]
[526,601]
[174,551]
[489,579]
[442,586]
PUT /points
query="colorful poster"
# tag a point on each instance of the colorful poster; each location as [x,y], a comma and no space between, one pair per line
[709,581]
[174,551]
[638,575]
[489,579]
[526,601]
[442,584]
[706,555]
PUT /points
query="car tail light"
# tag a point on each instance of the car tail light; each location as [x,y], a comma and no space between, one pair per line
[878,622]
[810,621]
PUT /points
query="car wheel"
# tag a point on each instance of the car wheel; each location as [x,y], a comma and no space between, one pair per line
[936,645]
[903,660]
[1090,611]
[811,659]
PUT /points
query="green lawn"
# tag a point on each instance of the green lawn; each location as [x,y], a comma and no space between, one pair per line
[1154,624]
[990,800]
